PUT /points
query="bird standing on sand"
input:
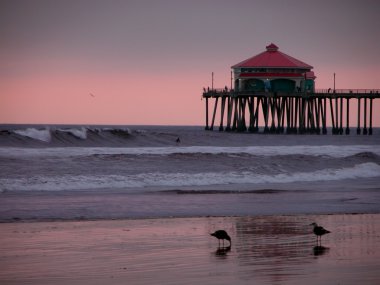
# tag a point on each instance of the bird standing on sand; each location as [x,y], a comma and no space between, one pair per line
[319,231]
[221,235]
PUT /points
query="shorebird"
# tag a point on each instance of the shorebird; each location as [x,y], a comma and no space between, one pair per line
[221,235]
[319,231]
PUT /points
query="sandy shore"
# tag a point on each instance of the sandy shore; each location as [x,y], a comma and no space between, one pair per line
[265,250]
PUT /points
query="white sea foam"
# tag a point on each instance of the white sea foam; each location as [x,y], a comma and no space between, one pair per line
[141,131]
[126,130]
[80,133]
[325,150]
[42,135]
[158,179]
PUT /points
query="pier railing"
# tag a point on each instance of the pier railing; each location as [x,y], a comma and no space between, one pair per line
[348,91]
[222,92]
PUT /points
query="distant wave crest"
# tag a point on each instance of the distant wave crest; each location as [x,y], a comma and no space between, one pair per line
[37,134]
[80,133]
[65,136]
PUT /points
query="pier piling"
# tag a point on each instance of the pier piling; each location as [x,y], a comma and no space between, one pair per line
[348,116]
[370,116]
[365,117]
[290,113]
[358,128]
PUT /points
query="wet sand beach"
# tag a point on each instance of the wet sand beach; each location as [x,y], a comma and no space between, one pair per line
[265,250]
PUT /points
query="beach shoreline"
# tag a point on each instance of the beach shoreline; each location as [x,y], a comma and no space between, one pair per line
[172,250]
[363,196]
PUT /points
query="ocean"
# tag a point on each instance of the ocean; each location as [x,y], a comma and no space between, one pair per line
[137,204]
[105,172]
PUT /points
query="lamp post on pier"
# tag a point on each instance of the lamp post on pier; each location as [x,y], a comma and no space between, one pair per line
[334,82]
[231,80]
[212,80]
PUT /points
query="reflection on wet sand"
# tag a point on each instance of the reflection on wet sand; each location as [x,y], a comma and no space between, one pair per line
[320,250]
[266,250]
[272,247]
[222,251]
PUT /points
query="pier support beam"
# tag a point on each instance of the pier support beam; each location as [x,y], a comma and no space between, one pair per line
[282,110]
[266,114]
[324,130]
[272,102]
[242,127]
[206,128]
[222,114]
[296,104]
[358,128]
[214,113]
[336,116]
[348,116]
[332,116]
[251,108]
[317,110]
[301,127]
[365,117]
[229,113]
[370,117]
[235,120]
[257,114]
[341,117]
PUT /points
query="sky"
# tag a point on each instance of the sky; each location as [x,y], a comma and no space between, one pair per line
[146,62]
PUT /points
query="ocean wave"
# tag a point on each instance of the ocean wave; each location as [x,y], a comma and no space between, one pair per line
[325,150]
[159,179]
[80,133]
[53,135]
[36,134]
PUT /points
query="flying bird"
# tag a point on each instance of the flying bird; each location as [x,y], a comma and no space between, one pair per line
[319,231]
[221,235]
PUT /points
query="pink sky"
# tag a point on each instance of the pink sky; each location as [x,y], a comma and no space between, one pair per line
[146,62]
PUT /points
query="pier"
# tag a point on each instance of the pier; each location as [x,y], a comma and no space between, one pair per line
[289,112]
[279,90]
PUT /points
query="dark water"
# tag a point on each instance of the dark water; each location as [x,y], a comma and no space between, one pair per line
[70,172]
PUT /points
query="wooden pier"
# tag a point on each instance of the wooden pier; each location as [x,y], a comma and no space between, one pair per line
[289,112]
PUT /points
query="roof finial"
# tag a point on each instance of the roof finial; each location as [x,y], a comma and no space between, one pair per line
[272,47]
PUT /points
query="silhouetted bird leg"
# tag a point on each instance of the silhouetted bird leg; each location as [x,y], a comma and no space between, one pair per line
[221,235]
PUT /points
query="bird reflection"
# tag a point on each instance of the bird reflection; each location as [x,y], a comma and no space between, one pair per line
[222,251]
[320,250]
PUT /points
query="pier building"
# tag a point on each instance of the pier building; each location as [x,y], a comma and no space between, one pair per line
[280,89]
[273,70]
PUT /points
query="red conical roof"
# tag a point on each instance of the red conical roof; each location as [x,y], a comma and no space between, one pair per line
[272,57]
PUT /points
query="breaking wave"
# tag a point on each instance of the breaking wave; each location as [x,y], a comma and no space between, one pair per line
[80,133]
[36,134]
[61,136]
